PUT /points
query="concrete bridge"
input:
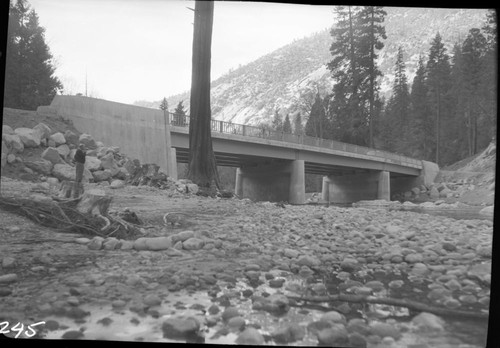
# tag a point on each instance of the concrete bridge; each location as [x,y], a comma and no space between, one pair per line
[271,165]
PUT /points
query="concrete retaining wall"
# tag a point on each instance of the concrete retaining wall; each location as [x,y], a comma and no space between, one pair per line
[140,132]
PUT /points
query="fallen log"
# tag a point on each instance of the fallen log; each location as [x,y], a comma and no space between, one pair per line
[417,306]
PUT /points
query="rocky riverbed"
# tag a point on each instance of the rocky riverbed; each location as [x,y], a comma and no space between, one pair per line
[229,271]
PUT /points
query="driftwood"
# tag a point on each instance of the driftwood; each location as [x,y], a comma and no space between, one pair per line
[70,189]
[417,306]
[87,215]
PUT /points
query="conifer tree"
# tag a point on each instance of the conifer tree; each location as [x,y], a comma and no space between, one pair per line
[421,113]
[298,128]
[439,82]
[29,71]
[277,123]
[287,125]
[164,104]
[371,33]
[180,114]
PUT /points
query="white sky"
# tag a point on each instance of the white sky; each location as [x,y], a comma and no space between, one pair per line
[141,49]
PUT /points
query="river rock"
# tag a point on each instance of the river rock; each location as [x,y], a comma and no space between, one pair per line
[182,236]
[333,336]
[309,261]
[428,322]
[8,278]
[58,138]
[41,166]
[290,253]
[63,150]
[88,141]
[236,322]
[52,155]
[289,334]
[92,163]
[13,141]
[419,269]
[230,312]
[29,137]
[333,317]
[250,336]
[180,328]
[95,243]
[384,329]
[101,175]
[7,129]
[193,244]
[414,258]
[158,243]
[111,244]
[434,193]
[152,300]
[116,184]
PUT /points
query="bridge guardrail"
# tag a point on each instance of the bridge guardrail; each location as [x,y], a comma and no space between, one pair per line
[261,132]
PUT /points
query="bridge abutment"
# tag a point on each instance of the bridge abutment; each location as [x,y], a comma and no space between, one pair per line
[356,187]
[272,182]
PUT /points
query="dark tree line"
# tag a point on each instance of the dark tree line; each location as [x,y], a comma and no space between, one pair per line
[447,113]
[29,71]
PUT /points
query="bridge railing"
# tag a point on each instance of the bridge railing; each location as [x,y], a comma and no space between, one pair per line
[265,133]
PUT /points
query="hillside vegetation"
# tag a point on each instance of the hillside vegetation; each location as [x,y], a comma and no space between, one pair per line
[288,78]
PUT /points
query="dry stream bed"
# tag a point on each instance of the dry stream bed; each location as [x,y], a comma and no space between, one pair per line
[236,285]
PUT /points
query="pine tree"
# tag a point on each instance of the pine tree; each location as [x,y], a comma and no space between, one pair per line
[287,125]
[316,125]
[489,85]
[439,82]
[179,115]
[29,73]
[396,128]
[298,128]
[370,21]
[473,50]
[421,122]
[164,104]
[277,123]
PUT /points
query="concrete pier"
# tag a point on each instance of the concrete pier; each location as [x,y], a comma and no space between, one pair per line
[272,182]
[356,187]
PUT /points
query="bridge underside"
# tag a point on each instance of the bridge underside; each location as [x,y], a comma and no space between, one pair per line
[273,179]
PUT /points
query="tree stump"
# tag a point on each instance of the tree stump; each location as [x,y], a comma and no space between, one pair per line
[94,202]
[70,189]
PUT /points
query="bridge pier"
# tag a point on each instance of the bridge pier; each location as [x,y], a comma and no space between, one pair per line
[356,187]
[272,182]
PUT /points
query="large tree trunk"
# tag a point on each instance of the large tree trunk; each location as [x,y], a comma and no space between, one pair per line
[202,168]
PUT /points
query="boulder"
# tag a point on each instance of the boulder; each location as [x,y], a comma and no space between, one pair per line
[108,162]
[193,244]
[434,193]
[88,141]
[63,150]
[64,171]
[41,166]
[58,138]
[179,328]
[192,188]
[71,138]
[29,137]
[250,336]
[101,175]
[428,322]
[13,141]
[52,155]
[7,129]
[122,174]
[132,166]
[92,163]
[158,243]
[115,184]
[43,130]
[11,158]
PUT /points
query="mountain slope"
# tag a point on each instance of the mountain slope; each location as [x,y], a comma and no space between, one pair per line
[289,77]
